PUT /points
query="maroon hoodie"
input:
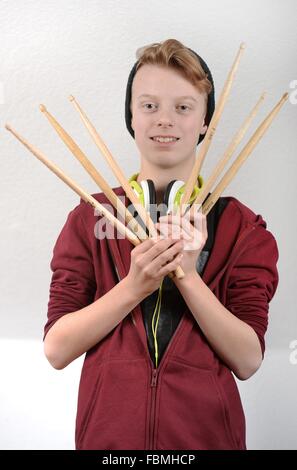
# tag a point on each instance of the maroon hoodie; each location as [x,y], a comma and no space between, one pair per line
[191,400]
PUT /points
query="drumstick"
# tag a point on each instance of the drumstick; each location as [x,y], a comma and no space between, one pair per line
[115,168]
[227,155]
[210,131]
[126,232]
[81,192]
[246,151]
[89,167]
[120,176]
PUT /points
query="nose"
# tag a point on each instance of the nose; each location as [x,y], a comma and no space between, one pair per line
[165,118]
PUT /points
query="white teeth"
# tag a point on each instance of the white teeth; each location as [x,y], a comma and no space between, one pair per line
[165,139]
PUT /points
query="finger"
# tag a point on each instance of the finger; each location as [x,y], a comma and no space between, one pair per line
[195,209]
[158,247]
[197,221]
[174,231]
[144,246]
[178,221]
[195,234]
[171,266]
[166,256]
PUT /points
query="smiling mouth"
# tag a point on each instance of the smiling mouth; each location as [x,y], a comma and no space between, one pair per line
[165,140]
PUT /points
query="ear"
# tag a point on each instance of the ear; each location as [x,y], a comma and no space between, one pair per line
[203,128]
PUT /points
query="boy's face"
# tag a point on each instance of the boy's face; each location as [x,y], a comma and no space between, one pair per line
[166,112]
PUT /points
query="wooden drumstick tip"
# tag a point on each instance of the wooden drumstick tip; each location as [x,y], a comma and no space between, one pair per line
[7,127]
[42,108]
[285,96]
[71,98]
[242,46]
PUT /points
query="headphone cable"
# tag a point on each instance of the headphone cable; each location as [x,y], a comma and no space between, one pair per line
[155,322]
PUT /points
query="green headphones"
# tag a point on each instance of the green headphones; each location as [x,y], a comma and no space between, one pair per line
[145,190]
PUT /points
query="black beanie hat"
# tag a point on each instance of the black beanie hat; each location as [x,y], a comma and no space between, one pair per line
[210,100]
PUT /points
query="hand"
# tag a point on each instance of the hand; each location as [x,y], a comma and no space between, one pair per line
[193,233]
[151,261]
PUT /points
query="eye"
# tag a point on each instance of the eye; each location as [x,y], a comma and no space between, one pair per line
[184,107]
[148,106]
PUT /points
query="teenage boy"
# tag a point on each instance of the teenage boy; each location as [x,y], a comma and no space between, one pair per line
[103,290]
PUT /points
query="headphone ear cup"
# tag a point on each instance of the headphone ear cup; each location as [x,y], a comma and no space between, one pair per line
[152,192]
[149,195]
[170,195]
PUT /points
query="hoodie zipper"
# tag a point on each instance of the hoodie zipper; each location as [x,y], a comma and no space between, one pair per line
[153,407]
[154,375]
[153,386]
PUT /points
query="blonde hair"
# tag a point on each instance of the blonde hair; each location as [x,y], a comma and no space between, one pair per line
[173,54]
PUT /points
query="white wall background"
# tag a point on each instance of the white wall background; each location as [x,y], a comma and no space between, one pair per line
[52,48]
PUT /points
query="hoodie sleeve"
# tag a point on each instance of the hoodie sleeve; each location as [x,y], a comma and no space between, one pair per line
[253,282]
[73,284]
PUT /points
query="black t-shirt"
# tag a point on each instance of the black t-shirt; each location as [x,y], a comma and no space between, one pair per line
[173,304]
